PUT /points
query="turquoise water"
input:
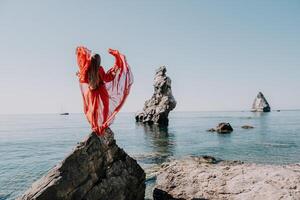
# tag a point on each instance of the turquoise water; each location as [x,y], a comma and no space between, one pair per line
[32,144]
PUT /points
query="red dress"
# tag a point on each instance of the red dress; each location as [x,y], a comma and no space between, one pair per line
[102,104]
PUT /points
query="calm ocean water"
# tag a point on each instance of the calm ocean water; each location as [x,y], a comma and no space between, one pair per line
[32,144]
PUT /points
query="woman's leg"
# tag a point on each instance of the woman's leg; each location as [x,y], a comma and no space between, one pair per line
[94,109]
[105,101]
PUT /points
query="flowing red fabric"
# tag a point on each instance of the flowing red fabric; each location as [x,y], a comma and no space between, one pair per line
[102,104]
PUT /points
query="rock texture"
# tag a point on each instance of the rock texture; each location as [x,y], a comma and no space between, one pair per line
[207,178]
[222,128]
[156,109]
[96,170]
[260,104]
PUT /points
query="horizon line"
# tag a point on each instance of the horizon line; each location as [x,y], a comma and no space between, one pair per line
[192,111]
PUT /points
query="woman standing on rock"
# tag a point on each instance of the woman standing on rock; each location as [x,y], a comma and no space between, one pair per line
[103,93]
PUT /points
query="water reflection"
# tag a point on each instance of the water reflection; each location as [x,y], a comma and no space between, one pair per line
[160,141]
[263,124]
[161,144]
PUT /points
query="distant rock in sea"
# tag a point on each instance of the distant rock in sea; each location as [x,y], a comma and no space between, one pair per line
[64,113]
[156,110]
[207,178]
[247,127]
[96,169]
[222,128]
[260,104]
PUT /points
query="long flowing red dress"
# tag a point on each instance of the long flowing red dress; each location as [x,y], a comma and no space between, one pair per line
[100,105]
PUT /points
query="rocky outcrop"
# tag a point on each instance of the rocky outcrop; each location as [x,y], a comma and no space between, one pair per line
[207,178]
[222,128]
[260,104]
[156,109]
[96,170]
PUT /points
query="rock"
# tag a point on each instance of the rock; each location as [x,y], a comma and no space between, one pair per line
[156,110]
[247,127]
[211,130]
[195,178]
[162,195]
[260,104]
[96,169]
[222,128]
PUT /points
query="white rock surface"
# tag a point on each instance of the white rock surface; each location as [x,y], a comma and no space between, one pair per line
[199,178]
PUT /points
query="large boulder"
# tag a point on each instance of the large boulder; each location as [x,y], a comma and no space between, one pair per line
[156,109]
[208,178]
[96,170]
[260,104]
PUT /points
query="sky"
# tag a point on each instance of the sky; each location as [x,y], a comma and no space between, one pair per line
[219,54]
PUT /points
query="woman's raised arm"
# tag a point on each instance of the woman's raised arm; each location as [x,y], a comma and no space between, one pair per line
[83,60]
[111,73]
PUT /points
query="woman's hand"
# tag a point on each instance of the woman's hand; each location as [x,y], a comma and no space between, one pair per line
[113,52]
[115,71]
[118,57]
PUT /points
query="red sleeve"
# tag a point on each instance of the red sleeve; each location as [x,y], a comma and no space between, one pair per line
[118,59]
[108,76]
[83,60]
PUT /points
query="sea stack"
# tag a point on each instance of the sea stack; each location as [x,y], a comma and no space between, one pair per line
[260,104]
[96,169]
[156,110]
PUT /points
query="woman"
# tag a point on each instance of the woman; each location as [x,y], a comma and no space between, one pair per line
[103,93]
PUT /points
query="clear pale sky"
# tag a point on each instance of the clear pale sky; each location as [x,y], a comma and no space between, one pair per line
[219,54]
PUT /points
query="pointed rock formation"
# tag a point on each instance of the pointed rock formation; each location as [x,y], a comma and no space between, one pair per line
[260,104]
[156,109]
[96,170]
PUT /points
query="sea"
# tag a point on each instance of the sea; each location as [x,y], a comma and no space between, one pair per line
[30,145]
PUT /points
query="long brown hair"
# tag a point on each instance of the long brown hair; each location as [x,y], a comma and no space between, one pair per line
[93,72]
